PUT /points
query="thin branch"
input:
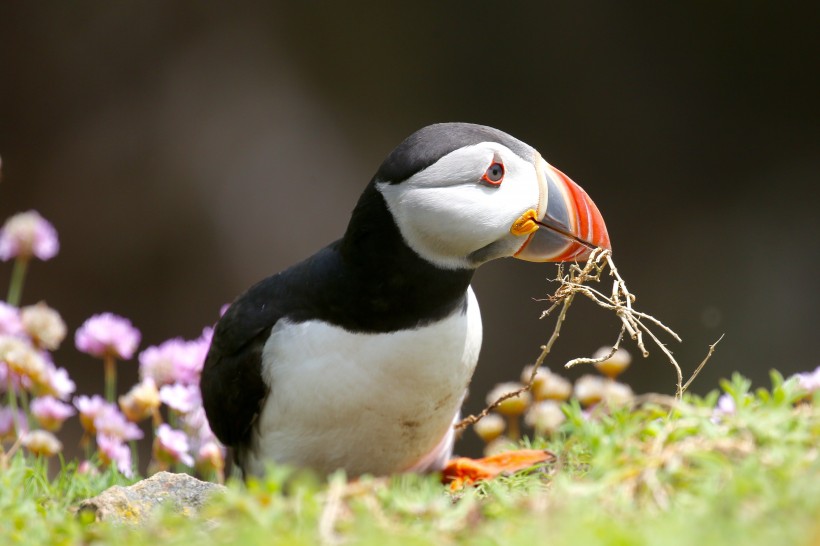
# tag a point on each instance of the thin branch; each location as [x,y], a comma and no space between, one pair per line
[702,364]
[330,513]
[545,350]
[576,361]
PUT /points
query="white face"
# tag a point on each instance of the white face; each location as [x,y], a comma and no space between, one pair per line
[453,218]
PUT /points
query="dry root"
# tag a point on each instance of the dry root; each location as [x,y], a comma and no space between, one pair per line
[620,301]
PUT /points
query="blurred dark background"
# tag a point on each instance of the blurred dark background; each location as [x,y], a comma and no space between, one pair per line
[185,150]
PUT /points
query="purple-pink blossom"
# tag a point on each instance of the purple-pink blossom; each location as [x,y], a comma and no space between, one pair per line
[107,334]
[210,457]
[91,407]
[7,422]
[162,362]
[172,445]
[59,384]
[179,397]
[809,381]
[50,412]
[110,422]
[10,322]
[725,406]
[176,360]
[196,423]
[28,234]
[112,450]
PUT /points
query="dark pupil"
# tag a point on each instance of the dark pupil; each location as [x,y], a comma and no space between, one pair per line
[494,172]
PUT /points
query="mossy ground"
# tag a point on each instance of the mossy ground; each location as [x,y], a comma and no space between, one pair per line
[654,474]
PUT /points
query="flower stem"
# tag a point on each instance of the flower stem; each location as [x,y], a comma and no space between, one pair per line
[85,443]
[513,430]
[24,405]
[110,364]
[135,463]
[18,277]
[15,415]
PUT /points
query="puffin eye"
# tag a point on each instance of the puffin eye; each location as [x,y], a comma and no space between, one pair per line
[494,174]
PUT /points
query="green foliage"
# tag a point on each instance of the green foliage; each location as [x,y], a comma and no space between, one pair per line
[659,474]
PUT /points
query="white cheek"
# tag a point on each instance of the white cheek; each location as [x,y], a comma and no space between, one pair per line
[445,224]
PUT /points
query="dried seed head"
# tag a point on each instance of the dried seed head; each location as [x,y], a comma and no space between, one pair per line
[545,417]
[499,445]
[28,234]
[589,389]
[490,427]
[43,325]
[540,376]
[552,387]
[42,443]
[513,406]
[141,401]
[614,365]
[617,394]
[23,359]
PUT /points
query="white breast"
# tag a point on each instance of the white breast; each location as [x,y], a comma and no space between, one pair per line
[368,403]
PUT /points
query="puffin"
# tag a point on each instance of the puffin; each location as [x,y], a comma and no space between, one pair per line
[359,357]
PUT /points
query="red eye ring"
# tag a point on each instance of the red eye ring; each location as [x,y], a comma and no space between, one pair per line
[494,174]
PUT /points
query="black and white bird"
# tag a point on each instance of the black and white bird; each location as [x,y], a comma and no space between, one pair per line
[359,357]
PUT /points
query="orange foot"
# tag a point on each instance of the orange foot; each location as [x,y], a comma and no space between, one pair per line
[463,471]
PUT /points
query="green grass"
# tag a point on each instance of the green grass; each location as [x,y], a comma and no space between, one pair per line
[651,475]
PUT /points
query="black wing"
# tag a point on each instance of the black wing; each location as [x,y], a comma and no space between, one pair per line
[232,386]
[233,391]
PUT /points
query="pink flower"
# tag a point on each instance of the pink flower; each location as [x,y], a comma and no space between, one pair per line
[107,334]
[7,423]
[87,467]
[176,360]
[113,451]
[809,381]
[725,406]
[90,408]
[196,423]
[50,412]
[172,445]
[162,363]
[28,234]
[179,397]
[10,323]
[59,384]
[210,457]
[110,422]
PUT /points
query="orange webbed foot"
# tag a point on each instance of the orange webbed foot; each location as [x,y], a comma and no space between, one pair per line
[464,471]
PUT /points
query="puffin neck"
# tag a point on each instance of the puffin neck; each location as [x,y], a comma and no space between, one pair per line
[396,284]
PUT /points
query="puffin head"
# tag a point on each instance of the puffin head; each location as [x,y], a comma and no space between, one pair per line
[464,194]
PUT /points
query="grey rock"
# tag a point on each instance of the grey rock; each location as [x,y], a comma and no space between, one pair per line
[134,504]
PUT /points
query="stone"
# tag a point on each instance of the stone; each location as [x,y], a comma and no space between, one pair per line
[134,504]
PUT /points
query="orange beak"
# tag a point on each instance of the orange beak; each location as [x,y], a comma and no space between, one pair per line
[567,225]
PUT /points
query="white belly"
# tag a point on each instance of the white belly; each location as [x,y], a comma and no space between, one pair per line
[367,403]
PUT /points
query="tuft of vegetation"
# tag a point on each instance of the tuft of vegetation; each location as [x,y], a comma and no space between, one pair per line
[663,471]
